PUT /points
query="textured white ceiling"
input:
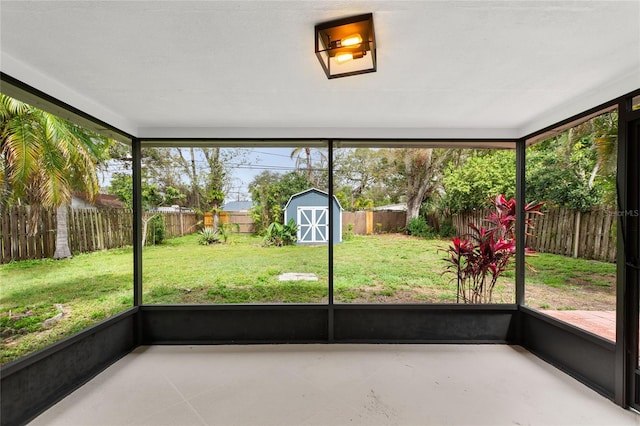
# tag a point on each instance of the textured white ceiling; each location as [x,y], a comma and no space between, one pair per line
[247,68]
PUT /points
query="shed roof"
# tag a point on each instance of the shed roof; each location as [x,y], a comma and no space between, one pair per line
[237,206]
[101,200]
[299,194]
[401,207]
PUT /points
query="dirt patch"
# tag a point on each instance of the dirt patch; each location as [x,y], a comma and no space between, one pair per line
[398,236]
[581,295]
[585,297]
[380,294]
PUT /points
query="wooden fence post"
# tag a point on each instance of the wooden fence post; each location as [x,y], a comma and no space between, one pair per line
[576,234]
[369,222]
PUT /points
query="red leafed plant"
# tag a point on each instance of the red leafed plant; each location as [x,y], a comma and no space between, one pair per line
[482,256]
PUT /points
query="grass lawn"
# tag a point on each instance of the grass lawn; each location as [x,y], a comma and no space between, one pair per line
[75,293]
[558,282]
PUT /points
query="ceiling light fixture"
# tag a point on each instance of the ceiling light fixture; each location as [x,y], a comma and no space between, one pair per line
[346,46]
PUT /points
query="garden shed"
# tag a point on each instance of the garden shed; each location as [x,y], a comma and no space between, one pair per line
[310,211]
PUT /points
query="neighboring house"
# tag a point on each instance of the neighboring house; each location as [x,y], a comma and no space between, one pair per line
[310,211]
[235,213]
[172,209]
[402,207]
[101,201]
[237,206]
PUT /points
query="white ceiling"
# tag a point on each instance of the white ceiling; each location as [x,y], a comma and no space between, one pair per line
[446,69]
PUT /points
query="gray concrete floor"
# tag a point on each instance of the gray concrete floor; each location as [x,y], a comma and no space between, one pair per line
[334,385]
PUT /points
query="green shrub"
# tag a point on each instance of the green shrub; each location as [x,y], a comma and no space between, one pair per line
[156,230]
[447,230]
[348,233]
[418,227]
[225,229]
[279,235]
[208,236]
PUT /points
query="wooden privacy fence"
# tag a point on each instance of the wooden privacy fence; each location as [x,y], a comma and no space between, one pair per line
[242,219]
[89,230]
[97,229]
[462,220]
[367,222]
[589,235]
[364,222]
[16,240]
[177,224]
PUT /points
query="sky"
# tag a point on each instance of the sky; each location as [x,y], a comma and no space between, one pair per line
[243,168]
[256,161]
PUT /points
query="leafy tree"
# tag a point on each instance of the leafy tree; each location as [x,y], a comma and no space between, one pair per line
[576,169]
[476,181]
[190,169]
[265,202]
[363,204]
[270,193]
[215,183]
[600,135]
[121,185]
[558,180]
[201,174]
[152,197]
[44,159]
[561,172]
[422,169]
[373,177]
[159,167]
[172,196]
[365,175]
[342,199]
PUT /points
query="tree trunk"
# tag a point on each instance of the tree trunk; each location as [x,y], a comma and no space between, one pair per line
[145,227]
[216,218]
[413,208]
[190,169]
[423,169]
[594,173]
[194,178]
[62,234]
[307,152]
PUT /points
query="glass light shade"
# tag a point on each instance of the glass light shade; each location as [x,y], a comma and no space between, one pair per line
[346,46]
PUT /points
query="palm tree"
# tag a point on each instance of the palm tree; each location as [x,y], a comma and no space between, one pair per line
[44,158]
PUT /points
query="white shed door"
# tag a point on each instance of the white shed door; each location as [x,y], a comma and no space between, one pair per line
[313,224]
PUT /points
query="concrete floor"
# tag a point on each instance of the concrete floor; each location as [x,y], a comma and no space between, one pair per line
[334,385]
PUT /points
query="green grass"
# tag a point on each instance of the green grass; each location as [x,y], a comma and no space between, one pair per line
[391,268]
[91,287]
[567,273]
[367,269]
[240,272]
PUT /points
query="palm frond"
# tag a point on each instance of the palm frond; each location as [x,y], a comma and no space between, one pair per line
[10,108]
[20,151]
[44,157]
